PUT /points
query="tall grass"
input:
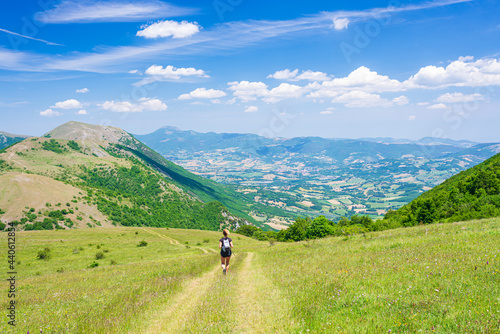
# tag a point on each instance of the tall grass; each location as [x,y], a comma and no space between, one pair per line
[438,278]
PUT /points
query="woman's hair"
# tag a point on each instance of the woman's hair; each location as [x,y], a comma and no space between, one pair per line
[225,232]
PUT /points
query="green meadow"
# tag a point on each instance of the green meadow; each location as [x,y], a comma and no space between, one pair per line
[440,278]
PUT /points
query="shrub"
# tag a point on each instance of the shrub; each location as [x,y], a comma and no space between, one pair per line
[94,264]
[60,270]
[44,254]
[99,256]
[112,262]
[206,241]
[143,243]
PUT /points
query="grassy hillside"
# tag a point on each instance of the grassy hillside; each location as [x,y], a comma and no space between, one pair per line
[471,194]
[441,278]
[95,137]
[54,183]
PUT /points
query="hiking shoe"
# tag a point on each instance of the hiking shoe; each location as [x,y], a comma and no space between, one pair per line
[224,271]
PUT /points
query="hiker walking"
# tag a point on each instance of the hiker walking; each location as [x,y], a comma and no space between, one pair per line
[225,245]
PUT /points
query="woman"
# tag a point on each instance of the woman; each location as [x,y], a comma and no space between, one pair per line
[225,245]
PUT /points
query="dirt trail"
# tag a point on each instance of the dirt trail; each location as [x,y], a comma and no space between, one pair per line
[174,317]
[259,307]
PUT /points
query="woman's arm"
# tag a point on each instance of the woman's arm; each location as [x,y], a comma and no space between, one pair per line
[231,244]
[220,244]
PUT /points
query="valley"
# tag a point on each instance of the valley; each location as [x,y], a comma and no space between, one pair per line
[315,176]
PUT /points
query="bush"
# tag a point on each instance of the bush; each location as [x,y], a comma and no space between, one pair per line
[44,254]
[206,241]
[142,244]
[94,264]
[99,256]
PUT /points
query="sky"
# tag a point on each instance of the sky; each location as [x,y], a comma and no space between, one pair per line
[334,69]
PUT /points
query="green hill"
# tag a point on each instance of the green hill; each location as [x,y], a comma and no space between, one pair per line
[471,194]
[87,175]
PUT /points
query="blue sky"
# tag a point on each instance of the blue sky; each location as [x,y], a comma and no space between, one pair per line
[338,69]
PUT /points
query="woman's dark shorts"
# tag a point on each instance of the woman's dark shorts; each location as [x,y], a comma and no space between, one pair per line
[226,253]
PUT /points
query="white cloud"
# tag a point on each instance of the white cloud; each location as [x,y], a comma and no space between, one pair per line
[422,103]
[283,91]
[360,99]
[221,37]
[340,23]
[459,97]
[438,106]
[401,100]
[326,112]
[82,112]
[170,73]
[134,72]
[169,29]
[313,76]
[463,72]
[252,109]
[412,118]
[50,113]
[248,91]
[284,75]
[203,93]
[145,104]
[68,104]
[288,75]
[83,90]
[361,79]
[73,11]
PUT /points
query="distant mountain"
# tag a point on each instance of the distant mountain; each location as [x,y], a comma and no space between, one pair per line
[168,141]
[7,139]
[81,174]
[471,194]
[422,141]
[483,151]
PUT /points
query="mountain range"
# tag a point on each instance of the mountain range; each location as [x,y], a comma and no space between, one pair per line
[89,175]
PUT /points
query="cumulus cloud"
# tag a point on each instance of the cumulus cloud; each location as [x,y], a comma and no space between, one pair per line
[68,104]
[340,23]
[203,93]
[83,90]
[459,97]
[145,104]
[170,73]
[169,29]
[360,99]
[464,72]
[284,75]
[283,91]
[438,106]
[288,75]
[50,113]
[82,112]
[248,91]
[252,109]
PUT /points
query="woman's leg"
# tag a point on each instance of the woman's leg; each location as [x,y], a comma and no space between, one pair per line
[222,261]
[227,262]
